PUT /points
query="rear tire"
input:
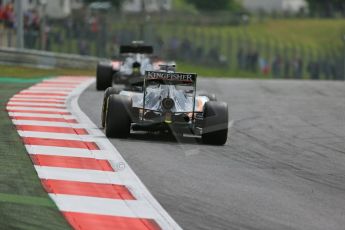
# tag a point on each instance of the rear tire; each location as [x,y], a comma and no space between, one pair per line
[215,130]
[104,75]
[118,120]
[109,91]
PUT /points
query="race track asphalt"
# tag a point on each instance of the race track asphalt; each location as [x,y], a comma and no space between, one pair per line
[283,166]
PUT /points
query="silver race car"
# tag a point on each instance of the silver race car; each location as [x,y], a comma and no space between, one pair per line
[168,101]
[134,60]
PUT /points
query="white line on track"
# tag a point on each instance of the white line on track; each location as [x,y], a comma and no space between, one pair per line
[81,175]
[52,124]
[67,80]
[13,108]
[34,97]
[51,86]
[59,136]
[42,91]
[63,84]
[104,206]
[18,114]
[70,152]
[37,99]
[49,89]
[35,104]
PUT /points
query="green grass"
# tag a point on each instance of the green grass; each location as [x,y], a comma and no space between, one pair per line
[24,204]
[180,5]
[203,71]
[27,200]
[307,38]
[32,73]
[18,177]
[315,34]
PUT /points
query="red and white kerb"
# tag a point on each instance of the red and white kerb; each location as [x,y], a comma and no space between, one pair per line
[80,169]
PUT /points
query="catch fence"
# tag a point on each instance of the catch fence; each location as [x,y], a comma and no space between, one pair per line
[183,38]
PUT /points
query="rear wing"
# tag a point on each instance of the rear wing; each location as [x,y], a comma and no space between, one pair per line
[172,78]
[140,49]
[184,78]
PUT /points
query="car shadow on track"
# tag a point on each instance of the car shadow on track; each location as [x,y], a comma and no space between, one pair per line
[163,138]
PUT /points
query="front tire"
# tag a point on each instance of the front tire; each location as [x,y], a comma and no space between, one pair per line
[104,75]
[118,119]
[215,130]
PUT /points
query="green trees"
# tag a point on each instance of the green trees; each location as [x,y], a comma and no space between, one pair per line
[328,8]
[202,5]
[212,5]
[115,3]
